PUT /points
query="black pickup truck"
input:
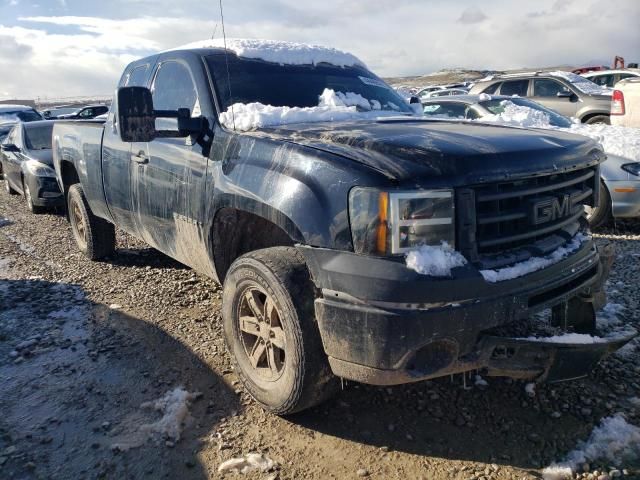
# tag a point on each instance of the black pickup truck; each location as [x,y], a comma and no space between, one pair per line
[307,224]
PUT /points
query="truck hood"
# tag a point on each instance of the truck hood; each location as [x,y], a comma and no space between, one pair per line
[446,153]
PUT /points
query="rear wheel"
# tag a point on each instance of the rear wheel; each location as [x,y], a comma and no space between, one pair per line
[601,213]
[271,333]
[599,119]
[27,197]
[95,237]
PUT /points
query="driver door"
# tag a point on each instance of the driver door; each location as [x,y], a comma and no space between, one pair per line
[546,90]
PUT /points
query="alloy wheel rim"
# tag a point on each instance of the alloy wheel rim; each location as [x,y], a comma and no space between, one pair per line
[262,334]
[78,223]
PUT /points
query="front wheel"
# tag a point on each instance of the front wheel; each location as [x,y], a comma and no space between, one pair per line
[601,213]
[271,333]
[27,197]
[95,237]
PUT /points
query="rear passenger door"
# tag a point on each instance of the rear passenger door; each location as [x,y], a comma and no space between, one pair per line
[515,87]
[555,95]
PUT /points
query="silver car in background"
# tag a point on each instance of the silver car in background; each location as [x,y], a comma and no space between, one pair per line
[620,189]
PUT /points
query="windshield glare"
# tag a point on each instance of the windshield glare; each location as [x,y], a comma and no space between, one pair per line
[39,138]
[496,106]
[22,115]
[297,85]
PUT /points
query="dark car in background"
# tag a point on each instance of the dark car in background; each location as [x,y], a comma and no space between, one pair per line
[85,113]
[565,92]
[27,161]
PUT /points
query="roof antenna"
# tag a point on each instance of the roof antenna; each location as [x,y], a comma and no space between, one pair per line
[214,31]
[226,58]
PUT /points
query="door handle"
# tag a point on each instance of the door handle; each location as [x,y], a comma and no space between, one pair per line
[140,157]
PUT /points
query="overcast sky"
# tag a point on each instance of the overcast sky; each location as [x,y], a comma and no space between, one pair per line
[52,48]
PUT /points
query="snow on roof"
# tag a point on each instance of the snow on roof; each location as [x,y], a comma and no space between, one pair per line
[5,107]
[581,83]
[278,51]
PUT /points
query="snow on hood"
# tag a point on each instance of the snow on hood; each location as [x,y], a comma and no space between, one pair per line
[277,51]
[583,84]
[332,107]
[616,140]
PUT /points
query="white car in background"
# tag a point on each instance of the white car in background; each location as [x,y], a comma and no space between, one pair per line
[625,103]
[608,78]
[445,92]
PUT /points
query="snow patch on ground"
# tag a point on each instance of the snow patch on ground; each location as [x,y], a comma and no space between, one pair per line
[614,441]
[572,338]
[535,263]
[249,463]
[332,107]
[277,51]
[174,407]
[436,261]
[616,140]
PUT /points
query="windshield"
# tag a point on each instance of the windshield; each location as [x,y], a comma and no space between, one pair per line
[297,85]
[22,115]
[497,106]
[39,138]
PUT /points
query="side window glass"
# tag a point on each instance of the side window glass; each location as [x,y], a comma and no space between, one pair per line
[492,88]
[173,88]
[544,87]
[604,80]
[137,76]
[86,113]
[515,87]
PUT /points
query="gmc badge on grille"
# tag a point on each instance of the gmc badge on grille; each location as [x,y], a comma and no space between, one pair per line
[552,208]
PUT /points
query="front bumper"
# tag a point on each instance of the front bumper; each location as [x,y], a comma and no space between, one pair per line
[382,323]
[625,198]
[45,191]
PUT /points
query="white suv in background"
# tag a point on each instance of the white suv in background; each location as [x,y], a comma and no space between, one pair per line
[608,78]
[625,103]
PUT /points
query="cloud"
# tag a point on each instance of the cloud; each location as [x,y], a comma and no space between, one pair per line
[472,15]
[84,53]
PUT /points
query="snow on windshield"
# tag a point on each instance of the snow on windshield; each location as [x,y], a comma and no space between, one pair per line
[332,107]
[620,141]
[276,51]
[583,84]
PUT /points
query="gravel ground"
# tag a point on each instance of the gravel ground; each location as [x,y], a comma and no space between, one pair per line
[87,348]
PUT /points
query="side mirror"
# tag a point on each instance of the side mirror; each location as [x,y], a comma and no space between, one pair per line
[564,94]
[10,147]
[137,117]
[414,99]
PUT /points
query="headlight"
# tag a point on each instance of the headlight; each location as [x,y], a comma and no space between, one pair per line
[39,169]
[632,168]
[385,223]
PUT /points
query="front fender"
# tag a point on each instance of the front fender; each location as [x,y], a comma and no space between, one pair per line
[303,191]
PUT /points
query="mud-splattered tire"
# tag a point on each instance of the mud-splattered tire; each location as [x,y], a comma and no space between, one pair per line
[271,332]
[601,213]
[95,237]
